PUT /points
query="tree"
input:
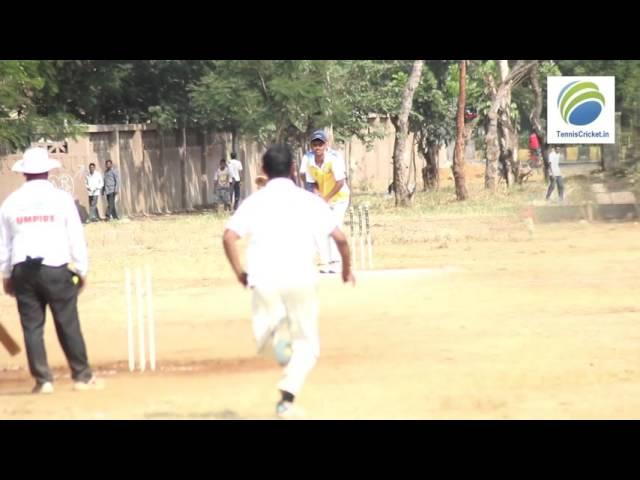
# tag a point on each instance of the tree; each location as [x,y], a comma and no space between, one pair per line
[435,106]
[499,138]
[89,90]
[458,155]
[536,121]
[432,117]
[275,101]
[537,80]
[507,132]
[284,100]
[627,73]
[22,86]
[401,122]
[114,91]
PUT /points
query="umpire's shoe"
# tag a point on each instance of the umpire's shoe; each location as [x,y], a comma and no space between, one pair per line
[92,384]
[43,388]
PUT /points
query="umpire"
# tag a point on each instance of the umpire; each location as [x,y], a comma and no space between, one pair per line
[40,236]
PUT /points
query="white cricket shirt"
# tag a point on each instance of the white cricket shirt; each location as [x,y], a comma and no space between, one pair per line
[283,223]
[39,220]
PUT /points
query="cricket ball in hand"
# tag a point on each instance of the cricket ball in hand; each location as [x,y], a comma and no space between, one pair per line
[283,351]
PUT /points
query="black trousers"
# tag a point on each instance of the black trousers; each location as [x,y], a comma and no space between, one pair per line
[111,206]
[236,194]
[93,207]
[37,286]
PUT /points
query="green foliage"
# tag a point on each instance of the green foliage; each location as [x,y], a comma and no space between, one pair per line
[434,108]
[23,84]
[627,73]
[284,100]
[270,100]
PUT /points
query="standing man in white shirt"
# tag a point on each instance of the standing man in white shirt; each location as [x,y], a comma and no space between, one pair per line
[94,184]
[555,174]
[235,167]
[40,236]
[283,222]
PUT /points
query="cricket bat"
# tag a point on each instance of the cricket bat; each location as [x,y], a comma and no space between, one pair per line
[9,343]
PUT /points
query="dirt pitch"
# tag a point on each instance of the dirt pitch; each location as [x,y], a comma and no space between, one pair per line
[462,318]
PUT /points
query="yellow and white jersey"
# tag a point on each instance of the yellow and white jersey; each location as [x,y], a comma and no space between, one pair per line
[333,170]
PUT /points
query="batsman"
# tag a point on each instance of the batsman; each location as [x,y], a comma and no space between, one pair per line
[325,170]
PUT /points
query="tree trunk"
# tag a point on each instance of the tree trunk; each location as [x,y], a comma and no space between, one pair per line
[164,181]
[492,148]
[235,141]
[413,189]
[183,168]
[500,139]
[203,167]
[458,153]
[508,142]
[401,122]
[508,132]
[536,122]
[503,66]
[431,172]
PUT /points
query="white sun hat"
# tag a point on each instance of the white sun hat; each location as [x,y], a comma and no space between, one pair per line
[35,160]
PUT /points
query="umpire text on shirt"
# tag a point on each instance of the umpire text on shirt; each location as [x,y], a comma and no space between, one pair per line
[40,236]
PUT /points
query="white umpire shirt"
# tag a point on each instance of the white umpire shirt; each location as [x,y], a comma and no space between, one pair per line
[39,220]
[283,223]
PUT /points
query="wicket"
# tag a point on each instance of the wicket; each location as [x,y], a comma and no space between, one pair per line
[144,301]
[363,234]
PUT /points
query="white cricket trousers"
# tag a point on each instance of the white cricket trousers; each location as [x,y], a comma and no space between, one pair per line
[327,248]
[300,305]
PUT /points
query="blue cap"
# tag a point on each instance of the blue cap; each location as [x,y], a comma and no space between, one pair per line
[319,135]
